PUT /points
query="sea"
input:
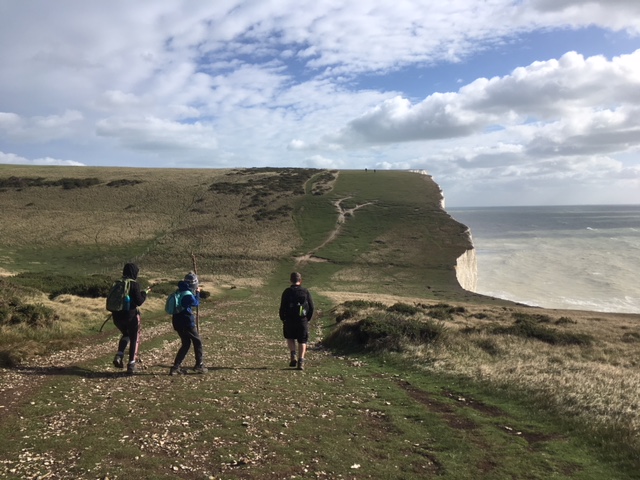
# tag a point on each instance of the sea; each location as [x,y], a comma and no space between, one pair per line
[564,257]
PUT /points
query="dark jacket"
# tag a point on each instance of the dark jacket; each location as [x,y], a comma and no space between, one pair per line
[185,318]
[290,295]
[137,296]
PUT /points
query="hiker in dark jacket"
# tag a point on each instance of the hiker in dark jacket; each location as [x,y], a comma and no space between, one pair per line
[295,323]
[128,321]
[185,324]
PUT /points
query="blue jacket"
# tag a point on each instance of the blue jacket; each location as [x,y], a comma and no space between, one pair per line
[186,318]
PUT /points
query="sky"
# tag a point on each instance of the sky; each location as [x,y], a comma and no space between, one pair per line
[503,102]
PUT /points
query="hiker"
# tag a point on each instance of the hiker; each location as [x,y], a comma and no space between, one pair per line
[128,320]
[183,320]
[296,311]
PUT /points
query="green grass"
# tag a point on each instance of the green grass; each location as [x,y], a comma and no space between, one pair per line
[352,416]
[370,404]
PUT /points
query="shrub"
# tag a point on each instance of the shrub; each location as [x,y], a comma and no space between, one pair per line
[489,345]
[403,308]
[565,321]
[362,304]
[531,317]
[123,183]
[14,312]
[66,183]
[94,286]
[385,332]
[631,337]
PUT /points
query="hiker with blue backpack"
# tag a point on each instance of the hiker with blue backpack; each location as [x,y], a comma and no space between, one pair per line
[180,306]
[296,311]
[123,301]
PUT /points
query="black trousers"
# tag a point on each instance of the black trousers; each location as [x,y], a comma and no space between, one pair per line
[189,336]
[130,330]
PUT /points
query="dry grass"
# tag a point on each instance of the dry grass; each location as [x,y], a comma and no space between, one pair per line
[596,383]
[159,220]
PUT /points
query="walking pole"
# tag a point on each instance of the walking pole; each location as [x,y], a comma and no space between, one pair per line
[195,270]
[105,322]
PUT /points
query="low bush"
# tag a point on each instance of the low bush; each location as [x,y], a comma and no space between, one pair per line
[15,312]
[386,331]
[404,309]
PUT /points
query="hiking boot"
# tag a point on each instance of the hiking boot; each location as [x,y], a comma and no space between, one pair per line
[131,368]
[200,369]
[117,362]
[293,362]
[176,370]
[301,364]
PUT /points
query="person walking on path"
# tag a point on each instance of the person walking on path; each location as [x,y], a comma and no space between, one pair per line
[128,320]
[184,322]
[296,311]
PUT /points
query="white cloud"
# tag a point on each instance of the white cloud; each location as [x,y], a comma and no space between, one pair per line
[568,106]
[39,128]
[162,136]
[613,14]
[13,159]
[289,82]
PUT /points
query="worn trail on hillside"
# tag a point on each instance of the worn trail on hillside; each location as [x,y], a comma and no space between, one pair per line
[343,214]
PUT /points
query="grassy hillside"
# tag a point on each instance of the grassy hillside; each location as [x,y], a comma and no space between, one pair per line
[240,223]
[408,376]
[234,221]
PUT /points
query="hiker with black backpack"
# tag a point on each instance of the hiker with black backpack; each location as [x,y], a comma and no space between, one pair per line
[296,311]
[123,301]
[180,306]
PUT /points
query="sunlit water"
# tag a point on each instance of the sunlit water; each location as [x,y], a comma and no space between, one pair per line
[578,257]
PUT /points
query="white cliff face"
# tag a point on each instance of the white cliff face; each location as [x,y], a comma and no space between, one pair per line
[467,270]
[466,264]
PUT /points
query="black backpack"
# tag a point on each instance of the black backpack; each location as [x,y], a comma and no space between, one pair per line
[298,306]
[118,298]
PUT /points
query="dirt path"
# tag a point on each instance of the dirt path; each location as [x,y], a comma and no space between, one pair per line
[343,214]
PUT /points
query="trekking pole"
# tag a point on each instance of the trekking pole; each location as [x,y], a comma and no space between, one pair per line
[105,322]
[195,270]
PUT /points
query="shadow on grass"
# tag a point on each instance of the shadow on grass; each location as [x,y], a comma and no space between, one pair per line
[84,372]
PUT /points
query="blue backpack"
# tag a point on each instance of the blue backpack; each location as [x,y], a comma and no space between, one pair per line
[173,304]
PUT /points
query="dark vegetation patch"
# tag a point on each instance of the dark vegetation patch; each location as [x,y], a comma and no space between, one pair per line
[631,337]
[19,183]
[94,286]
[14,312]
[53,284]
[262,189]
[267,214]
[566,321]
[350,308]
[123,183]
[383,331]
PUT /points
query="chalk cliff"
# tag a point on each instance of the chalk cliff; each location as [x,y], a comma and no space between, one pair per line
[467,269]
[466,264]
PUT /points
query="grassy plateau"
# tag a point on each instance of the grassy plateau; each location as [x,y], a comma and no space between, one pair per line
[408,375]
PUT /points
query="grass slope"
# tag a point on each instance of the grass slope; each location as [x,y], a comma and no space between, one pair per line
[498,391]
